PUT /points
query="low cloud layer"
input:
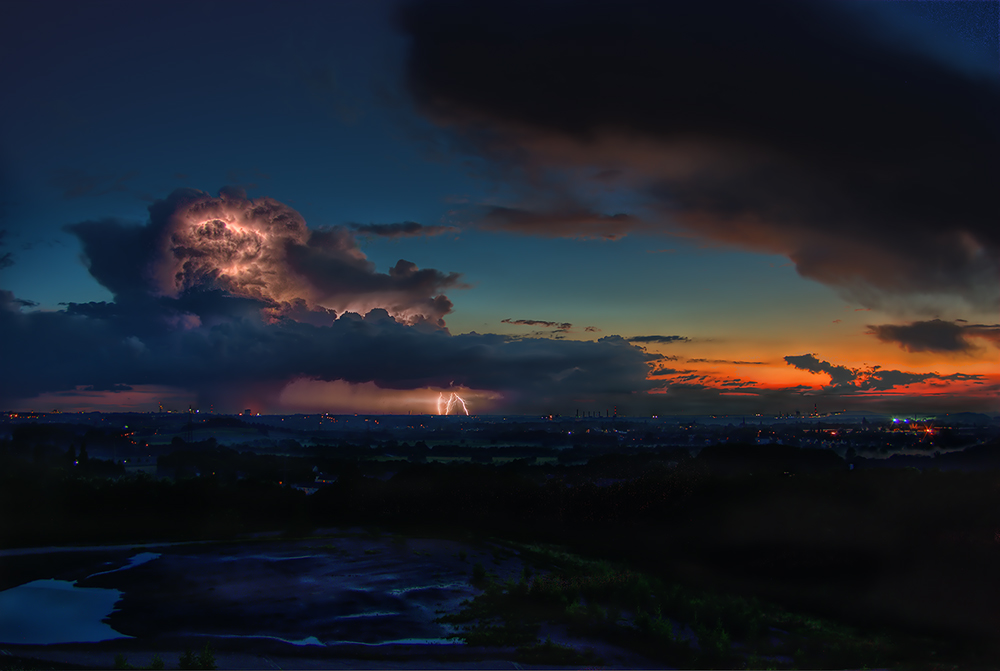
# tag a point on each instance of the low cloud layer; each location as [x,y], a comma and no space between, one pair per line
[229,346]
[936,335]
[562,326]
[808,129]
[659,339]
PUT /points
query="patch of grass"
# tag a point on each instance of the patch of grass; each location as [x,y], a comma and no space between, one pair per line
[590,597]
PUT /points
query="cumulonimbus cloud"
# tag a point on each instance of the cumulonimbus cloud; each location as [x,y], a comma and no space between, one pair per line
[807,129]
[226,296]
[936,335]
[259,249]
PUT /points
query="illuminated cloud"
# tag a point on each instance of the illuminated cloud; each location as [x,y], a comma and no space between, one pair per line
[808,129]
[935,335]
[726,361]
[406,229]
[258,249]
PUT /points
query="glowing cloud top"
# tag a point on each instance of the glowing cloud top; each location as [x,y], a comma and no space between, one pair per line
[258,249]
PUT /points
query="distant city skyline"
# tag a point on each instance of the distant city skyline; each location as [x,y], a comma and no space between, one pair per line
[516,207]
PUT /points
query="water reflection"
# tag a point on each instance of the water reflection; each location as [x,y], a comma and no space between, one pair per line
[56,611]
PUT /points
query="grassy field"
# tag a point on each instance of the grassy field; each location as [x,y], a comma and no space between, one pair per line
[580,599]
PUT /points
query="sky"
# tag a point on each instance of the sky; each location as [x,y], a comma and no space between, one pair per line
[523,207]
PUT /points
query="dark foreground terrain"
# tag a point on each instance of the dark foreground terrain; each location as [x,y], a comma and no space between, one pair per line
[739,556]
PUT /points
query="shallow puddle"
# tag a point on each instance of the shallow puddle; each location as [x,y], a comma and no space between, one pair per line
[43,612]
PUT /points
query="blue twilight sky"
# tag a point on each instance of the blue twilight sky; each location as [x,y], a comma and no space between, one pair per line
[752,183]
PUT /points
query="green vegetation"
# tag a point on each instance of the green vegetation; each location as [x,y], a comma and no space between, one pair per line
[667,622]
[188,660]
[479,575]
[203,660]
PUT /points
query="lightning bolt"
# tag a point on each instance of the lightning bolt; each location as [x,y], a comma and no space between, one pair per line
[445,404]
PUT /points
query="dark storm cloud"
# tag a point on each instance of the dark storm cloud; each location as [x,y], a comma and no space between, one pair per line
[727,361]
[935,335]
[217,355]
[405,229]
[849,380]
[803,128]
[118,253]
[258,249]
[661,339]
[570,222]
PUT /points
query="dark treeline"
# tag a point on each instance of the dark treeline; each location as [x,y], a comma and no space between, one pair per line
[876,546]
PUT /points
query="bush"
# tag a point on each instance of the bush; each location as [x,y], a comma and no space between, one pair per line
[203,660]
[206,658]
[478,572]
